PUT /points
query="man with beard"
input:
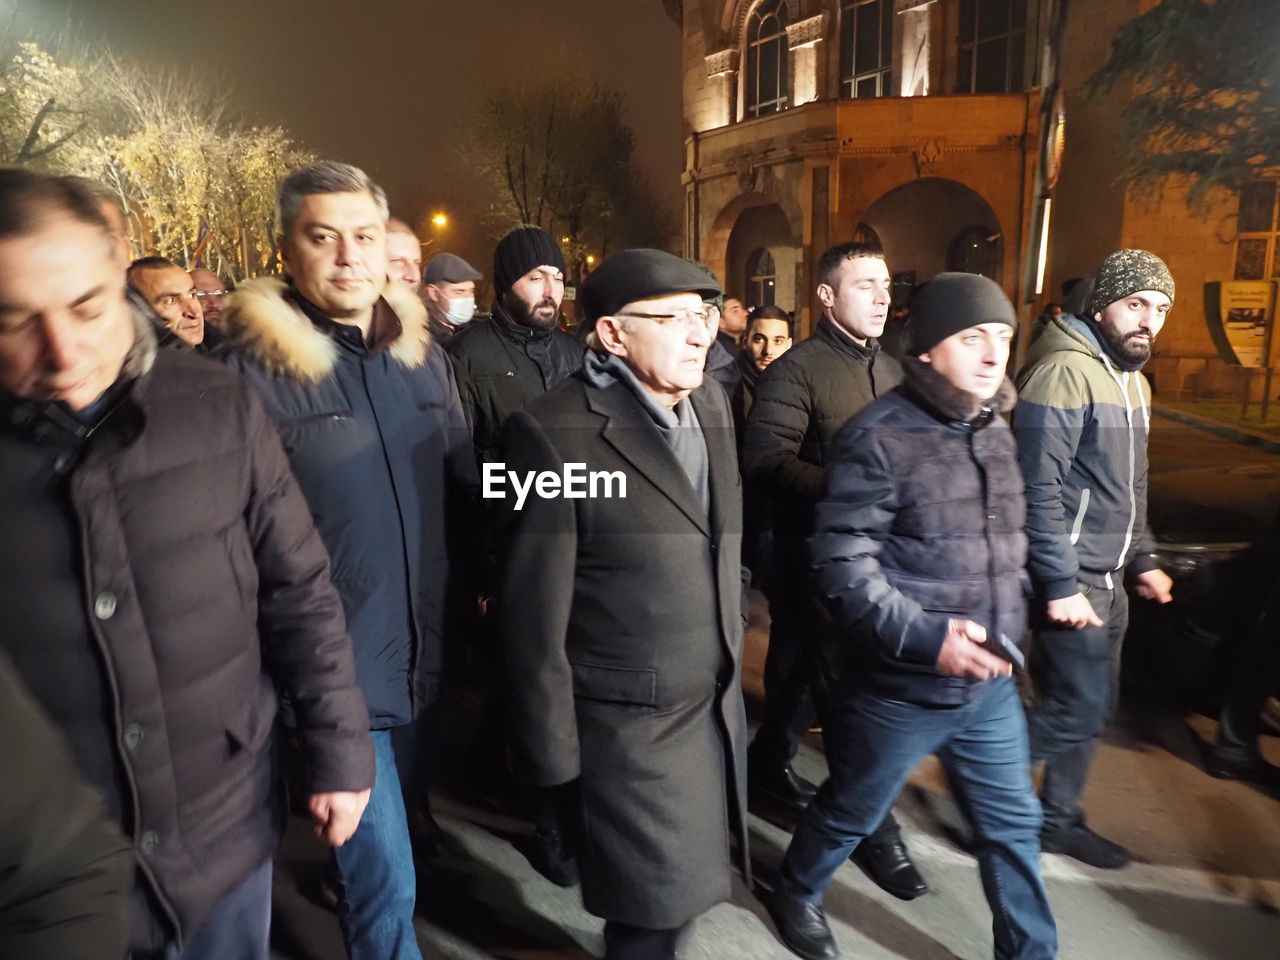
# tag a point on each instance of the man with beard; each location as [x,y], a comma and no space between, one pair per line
[1082,425]
[210,289]
[502,366]
[520,353]
[768,338]
[918,552]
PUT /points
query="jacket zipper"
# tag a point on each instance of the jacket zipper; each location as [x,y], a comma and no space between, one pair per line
[1133,498]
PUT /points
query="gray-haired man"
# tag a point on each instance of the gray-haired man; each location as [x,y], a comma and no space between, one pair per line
[371,420]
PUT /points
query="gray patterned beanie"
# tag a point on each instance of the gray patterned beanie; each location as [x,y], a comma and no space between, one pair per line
[1126,272]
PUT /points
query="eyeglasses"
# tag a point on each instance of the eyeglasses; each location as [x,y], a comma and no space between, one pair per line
[210,293]
[688,319]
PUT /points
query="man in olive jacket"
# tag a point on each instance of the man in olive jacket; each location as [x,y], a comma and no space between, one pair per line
[160,581]
[624,659]
[801,402]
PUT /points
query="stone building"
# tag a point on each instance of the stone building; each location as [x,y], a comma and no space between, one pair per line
[923,123]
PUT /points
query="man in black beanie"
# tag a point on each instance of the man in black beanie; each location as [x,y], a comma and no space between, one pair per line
[622,617]
[918,553]
[520,353]
[502,366]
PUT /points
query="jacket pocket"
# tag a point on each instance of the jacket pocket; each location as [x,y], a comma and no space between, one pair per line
[251,728]
[637,686]
[942,596]
[1078,524]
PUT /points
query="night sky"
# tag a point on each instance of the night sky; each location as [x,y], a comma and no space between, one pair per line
[383,83]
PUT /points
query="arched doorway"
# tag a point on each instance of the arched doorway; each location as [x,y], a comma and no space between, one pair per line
[761,258]
[931,225]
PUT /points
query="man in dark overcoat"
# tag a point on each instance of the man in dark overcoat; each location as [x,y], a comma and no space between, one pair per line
[625,656]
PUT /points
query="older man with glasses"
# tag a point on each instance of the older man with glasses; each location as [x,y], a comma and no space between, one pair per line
[623,650]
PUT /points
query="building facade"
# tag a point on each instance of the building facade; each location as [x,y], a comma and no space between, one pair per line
[933,127]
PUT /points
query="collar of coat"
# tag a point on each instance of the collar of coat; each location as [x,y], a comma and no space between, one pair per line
[941,396]
[864,352]
[269,326]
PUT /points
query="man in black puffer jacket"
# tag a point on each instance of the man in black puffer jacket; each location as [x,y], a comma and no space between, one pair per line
[160,581]
[800,403]
[918,553]
[520,353]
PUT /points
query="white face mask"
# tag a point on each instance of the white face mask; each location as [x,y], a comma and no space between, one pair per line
[460,310]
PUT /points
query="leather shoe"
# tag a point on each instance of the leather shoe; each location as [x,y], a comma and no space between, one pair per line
[1251,768]
[550,856]
[782,784]
[803,928]
[890,866]
[1081,843]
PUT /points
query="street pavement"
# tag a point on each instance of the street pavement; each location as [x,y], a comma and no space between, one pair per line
[1205,885]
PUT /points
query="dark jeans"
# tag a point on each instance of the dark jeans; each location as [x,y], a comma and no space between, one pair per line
[873,744]
[1076,675]
[239,926]
[797,687]
[1255,674]
[625,942]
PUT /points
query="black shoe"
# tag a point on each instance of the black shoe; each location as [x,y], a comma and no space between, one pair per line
[782,784]
[1251,768]
[549,856]
[890,866]
[803,928]
[1081,843]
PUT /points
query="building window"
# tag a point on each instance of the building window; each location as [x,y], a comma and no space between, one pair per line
[993,39]
[1257,232]
[768,68]
[762,279]
[866,48]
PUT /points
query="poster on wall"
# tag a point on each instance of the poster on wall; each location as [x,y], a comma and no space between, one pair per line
[1239,314]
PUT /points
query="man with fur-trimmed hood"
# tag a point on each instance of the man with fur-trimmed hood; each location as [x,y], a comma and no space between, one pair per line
[370,417]
[918,552]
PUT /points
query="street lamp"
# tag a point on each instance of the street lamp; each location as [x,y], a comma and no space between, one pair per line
[440,220]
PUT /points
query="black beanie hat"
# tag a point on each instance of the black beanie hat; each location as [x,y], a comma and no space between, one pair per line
[640,275]
[520,251]
[952,302]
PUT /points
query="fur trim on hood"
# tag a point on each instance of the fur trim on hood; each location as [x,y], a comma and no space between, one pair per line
[949,400]
[275,332]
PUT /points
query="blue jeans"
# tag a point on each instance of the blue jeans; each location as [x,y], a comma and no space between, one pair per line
[873,745]
[377,885]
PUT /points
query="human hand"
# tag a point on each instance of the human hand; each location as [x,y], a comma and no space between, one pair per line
[1074,611]
[1155,585]
[336,815]
[962,653]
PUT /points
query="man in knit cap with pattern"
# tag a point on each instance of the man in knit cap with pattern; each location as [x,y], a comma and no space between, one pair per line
[1082,424]
[918,554]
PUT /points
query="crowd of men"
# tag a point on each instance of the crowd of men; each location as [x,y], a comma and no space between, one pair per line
[239,531]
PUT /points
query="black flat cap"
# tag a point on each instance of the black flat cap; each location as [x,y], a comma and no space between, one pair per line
[641,275]
[449,268]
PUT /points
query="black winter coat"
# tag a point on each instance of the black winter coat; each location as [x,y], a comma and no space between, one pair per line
[801,401]
[623,645]
[502,367]
[65,870]
[377,441]
[921,521]
[160,580]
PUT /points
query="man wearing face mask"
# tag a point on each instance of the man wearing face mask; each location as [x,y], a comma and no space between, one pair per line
[449,291]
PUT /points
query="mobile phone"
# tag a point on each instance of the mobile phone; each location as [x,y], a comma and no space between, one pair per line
[1006,649]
